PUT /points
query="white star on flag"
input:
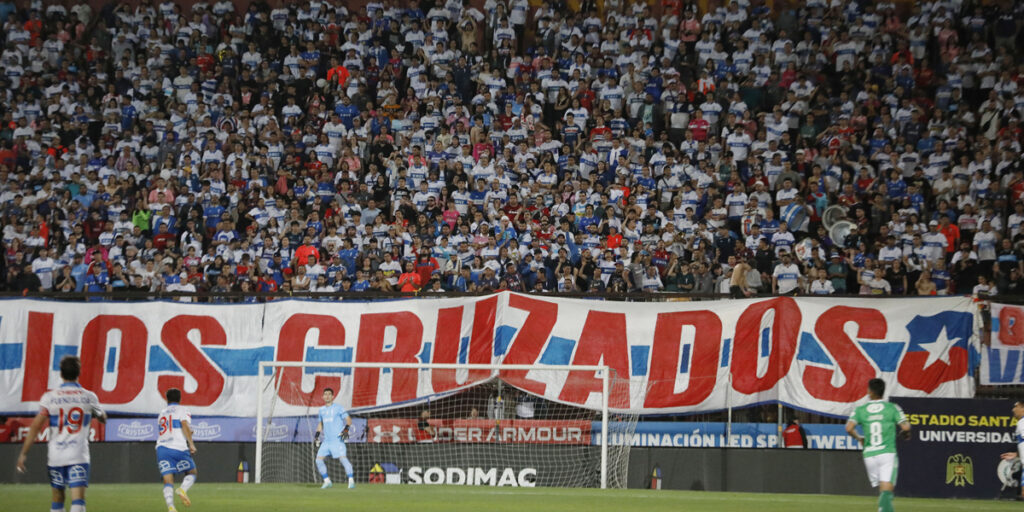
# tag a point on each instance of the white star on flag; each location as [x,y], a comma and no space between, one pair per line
[939,349]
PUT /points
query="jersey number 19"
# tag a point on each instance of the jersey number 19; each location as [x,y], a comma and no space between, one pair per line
[72,420]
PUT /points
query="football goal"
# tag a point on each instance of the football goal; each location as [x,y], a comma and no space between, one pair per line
[451,424]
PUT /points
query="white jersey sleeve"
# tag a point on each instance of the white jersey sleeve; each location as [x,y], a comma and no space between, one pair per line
[70,409]
[1019,438]
[171,435]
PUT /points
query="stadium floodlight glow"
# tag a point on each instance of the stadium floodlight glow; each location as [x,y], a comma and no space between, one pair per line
[520,439]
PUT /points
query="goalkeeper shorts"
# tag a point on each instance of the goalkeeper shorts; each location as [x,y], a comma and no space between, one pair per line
[334,449]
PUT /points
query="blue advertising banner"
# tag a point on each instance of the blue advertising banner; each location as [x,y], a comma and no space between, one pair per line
[955,448]
[224,429]
[686,434]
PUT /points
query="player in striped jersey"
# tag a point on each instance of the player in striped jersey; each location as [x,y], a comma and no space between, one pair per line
[68,409]
[174,449]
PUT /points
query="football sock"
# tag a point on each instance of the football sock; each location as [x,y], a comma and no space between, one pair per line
[189,480]
[348,466]
[77,505]
[322,466]
[885,501]
[56,505]
[169,495]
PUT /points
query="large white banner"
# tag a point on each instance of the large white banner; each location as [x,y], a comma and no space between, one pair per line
[812,353]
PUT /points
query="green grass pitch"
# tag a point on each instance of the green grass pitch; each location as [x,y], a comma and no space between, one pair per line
[379,498]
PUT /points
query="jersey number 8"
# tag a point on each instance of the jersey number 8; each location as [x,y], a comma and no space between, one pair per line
[876,434]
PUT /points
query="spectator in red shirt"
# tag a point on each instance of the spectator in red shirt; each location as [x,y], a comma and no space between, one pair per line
[699,126]
[409,281]
[306,251]
[426,265]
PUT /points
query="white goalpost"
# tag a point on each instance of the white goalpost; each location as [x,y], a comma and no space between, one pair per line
[482,428]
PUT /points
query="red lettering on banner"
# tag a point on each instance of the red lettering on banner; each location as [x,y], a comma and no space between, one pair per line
[705,353]
[408,343]
[448,340]
[603,336]
[209,381]
[530,340]
[1011,326]
[291,346]
[38,351]
[131,361]
[746,345]
[855,367]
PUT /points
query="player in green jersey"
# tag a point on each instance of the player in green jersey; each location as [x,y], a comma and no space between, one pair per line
[878,420]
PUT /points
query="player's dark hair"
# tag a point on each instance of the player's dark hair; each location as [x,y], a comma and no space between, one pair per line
[329,389]
[70,368]
[877,387]
[173,395]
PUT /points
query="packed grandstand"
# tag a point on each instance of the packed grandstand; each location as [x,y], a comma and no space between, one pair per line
[850,147]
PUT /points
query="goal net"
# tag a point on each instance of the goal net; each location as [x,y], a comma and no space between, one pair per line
[481,431]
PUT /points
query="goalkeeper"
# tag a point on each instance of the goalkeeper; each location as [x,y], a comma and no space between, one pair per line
[331,433]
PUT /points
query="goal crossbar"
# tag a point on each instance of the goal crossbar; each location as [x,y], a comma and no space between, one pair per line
[602,371]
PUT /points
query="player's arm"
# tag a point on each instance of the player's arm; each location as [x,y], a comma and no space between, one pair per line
[187,430]
[903,423]
[851,428]
[904,432]
[319,430]
[348,425]
[30,439]
[98,412]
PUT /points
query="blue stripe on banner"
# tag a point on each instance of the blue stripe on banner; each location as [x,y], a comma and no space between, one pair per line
[684,360]
[726,348]
[328,355]
[885,355]
[176,423]
[59,351]
[998,371]
[766,342]
[558,351]
[424,355]
[638,355]
[160,360]
[11,355]
[239,362]
[809,350]
[995,323]
[111,359]
[503,338]
[464,350]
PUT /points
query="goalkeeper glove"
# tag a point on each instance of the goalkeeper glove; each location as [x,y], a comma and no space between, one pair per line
[344,434]
[316,438]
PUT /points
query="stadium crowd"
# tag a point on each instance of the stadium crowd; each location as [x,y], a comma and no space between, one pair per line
[572,147]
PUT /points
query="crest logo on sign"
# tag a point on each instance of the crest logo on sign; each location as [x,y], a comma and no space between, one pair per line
[959,470]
